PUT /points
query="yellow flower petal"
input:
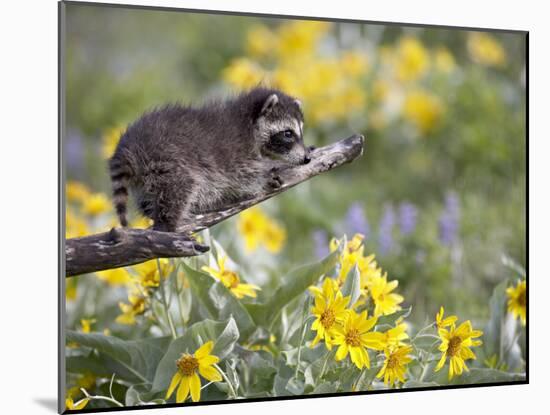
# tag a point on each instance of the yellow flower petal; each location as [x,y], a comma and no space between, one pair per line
[210,373]
[208,360]
[183,390]
[175,381]
[195,387]
[204,350]
[342,351]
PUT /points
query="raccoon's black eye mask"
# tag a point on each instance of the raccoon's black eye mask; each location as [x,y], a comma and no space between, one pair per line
[281,142]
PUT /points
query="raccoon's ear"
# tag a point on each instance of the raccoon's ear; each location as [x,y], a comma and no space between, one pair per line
[298,103]
[269,103]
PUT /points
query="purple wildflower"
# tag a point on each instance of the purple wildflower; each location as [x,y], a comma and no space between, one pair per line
[385,237]
[408,214]
[449,221]
[320,243]
[356,221]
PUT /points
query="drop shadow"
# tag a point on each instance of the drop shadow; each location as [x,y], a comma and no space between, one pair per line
[48,403]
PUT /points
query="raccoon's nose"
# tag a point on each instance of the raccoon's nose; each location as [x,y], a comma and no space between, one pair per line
[307,159]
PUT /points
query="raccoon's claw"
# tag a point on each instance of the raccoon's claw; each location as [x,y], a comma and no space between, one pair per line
[275,182]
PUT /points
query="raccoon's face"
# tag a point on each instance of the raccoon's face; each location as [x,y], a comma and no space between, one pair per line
[279,130]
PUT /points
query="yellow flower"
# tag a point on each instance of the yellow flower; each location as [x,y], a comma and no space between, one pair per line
[87,324]
[517,301]
[444,60]
[455,344]
[244,73]
[412,59]
[274,237]
[423,109]
[70,289]
[354,63]
[485,49]
[380,89]
[329,310]
[385,302]
[231,280]
[87,381]
[148,272]
[110,140]
[81,404]
[136,307]
[395,365]
[395,336]
[368,271]
[76,191]
[354,338]
[260,41]
[258,229]
[441,322]
[298,38]
[187,375]
[352,253]
[141,223]
[75,227]
[115,277]
[96,204]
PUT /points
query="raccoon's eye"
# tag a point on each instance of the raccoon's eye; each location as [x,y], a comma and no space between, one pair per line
[288,134]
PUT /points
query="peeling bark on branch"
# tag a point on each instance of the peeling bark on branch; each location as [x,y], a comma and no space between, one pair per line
[121,247]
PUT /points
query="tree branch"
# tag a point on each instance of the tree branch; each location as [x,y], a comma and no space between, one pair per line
[122,247]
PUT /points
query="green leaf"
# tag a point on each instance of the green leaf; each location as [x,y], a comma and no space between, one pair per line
[140,394]
[110,345]
[257,371]
[292,285]
[137,358]
[224,334]
[352,285]
[218,300]
[151,351]
[390,319]
[325,387]
[89,364]
[283,376]
[500,334]
[295,386]
[427,342]
[419,384]
[483,375]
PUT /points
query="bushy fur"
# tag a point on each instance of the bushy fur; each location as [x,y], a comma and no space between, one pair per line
[181,159]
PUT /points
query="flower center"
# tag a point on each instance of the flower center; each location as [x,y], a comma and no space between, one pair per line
[352,338]
[139,306]
[230,279]
[454,346]
[327,318]
[393,361]
[187,364]
[522,301]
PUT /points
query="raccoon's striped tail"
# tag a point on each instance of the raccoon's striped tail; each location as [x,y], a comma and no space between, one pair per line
[120,176]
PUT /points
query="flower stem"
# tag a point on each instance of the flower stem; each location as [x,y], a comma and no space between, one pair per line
[229,384]
[327,357]
[164,302]
[304,327]
[101,398]
[179,292]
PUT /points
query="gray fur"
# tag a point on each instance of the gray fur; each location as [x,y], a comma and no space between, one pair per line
[178,160]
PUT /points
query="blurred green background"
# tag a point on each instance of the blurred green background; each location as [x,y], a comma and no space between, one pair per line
[440,191]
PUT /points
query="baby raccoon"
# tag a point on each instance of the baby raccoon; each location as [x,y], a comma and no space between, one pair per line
[181,160]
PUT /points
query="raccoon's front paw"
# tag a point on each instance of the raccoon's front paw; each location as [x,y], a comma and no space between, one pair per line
[275,182]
